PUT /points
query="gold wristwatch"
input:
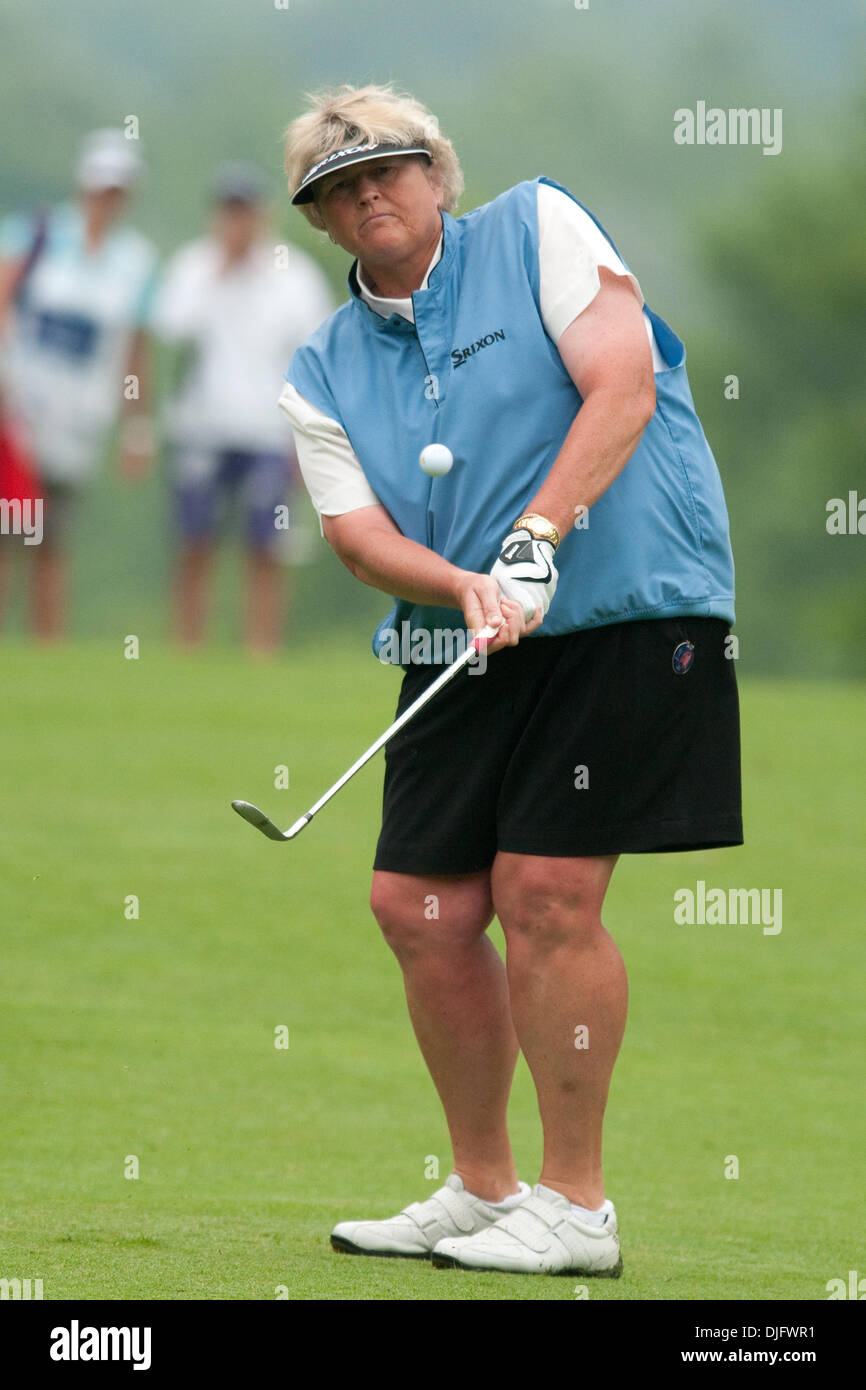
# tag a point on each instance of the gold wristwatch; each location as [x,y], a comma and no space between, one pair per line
[538,527]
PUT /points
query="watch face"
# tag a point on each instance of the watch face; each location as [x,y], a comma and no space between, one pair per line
[543,531]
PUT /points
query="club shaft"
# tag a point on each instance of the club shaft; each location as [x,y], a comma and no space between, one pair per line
[447,675]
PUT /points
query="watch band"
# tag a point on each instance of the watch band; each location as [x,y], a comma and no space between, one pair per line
[538,527]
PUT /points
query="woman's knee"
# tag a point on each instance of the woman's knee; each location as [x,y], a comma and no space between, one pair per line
[432,913]
[547,902]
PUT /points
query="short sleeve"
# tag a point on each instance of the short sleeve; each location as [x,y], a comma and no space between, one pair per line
[570,250]
[329,466]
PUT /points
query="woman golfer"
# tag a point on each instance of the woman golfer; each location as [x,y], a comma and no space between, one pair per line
[584,519]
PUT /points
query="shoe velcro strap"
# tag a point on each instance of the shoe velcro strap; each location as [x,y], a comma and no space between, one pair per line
[455,1206]
[579,1244]
[426,1219]
[549,1215]
[531,1228]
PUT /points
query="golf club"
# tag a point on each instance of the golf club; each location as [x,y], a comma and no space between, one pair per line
[266,825]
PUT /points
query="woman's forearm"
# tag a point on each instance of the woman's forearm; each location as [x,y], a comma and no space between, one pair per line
[603,437]
[387,560]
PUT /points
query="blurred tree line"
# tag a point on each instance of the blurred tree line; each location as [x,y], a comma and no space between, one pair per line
[788,268]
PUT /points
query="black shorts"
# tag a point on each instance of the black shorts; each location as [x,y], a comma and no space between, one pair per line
[589,744]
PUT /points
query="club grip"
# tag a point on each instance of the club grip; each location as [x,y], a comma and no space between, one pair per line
[484,636]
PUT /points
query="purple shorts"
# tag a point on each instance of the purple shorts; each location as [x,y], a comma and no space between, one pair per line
[215,489]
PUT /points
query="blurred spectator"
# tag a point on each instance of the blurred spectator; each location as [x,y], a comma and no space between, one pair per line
[75,295]
[241,304]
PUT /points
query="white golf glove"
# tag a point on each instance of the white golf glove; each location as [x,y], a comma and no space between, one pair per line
[525,571]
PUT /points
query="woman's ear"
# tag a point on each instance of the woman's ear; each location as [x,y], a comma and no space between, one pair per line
[438,185]
[313,216]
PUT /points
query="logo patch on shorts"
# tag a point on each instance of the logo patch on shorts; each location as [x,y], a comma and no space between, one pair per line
[683,658]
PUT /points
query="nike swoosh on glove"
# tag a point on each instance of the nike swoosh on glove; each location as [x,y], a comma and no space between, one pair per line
[525,571]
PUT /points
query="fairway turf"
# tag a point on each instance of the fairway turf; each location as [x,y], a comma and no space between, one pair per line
[153,1036]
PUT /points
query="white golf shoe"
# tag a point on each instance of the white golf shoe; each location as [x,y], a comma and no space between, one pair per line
[543,1235]
[452,1211]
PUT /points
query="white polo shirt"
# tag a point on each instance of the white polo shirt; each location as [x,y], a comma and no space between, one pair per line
[243,323]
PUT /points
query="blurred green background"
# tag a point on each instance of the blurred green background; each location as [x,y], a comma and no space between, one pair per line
[758,262]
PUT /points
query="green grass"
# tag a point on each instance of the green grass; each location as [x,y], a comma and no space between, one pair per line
[155,1037]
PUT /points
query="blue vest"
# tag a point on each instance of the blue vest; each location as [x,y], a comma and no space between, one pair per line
[477,372]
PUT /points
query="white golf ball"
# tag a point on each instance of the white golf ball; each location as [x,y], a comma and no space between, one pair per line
[436,460]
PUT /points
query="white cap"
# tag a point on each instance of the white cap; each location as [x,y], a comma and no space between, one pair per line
[107,160]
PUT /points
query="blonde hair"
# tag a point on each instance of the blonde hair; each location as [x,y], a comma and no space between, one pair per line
[344,116]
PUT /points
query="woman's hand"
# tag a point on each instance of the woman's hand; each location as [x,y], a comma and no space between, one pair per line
[371,546]
[483,606]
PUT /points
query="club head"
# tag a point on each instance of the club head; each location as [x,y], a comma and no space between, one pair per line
[258,819]
[266,825]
